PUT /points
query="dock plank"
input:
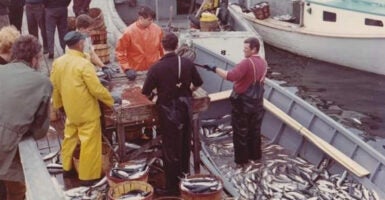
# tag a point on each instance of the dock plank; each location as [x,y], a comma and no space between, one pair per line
[38,181]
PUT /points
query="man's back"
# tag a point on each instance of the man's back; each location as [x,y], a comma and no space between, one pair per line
[164,76]
[23,93]
[22,90]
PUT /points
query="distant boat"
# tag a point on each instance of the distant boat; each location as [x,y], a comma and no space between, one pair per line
[345,32]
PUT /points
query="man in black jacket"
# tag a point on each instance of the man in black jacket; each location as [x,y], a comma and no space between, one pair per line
[172,76]
[4,19]
[56,15]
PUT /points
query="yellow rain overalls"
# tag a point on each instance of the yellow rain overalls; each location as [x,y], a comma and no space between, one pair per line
[77,89]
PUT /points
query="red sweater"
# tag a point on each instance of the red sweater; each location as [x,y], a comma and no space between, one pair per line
[242,73]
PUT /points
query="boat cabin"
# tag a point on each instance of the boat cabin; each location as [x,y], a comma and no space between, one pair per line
[345,18]
[352,17]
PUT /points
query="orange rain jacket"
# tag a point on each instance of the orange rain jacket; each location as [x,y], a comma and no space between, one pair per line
[139,48]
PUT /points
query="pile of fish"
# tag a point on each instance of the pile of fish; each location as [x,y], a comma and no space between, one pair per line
[82,192]
[211,130]
[278,175]
[129,171]
[134,195]
[281,176]
[201,184]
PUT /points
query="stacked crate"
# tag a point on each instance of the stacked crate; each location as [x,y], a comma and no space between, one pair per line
[99,35]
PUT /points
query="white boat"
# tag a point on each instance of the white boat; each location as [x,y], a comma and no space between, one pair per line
[345,32]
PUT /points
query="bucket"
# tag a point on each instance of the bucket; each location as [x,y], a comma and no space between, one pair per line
[103,51]
[106,156]
[97,15]
[98,37]
[112,181]
[214,195]
[116,191]
[209,22]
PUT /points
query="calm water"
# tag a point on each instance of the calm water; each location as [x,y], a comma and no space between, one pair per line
[354,98]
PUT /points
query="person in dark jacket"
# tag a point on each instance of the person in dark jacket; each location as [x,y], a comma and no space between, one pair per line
[16,10]
[21,84]
[81,7]
[246,116]
[34,9]
[4,19]
[56,15]
[172,76]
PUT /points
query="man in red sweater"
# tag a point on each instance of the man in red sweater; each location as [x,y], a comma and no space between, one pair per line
[247,113]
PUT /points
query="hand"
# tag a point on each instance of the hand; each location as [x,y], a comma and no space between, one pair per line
[108,71]
[131,74]
[210,68]
[117,100]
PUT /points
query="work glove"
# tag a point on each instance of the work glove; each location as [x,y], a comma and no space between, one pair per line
[109,72]
[117,100]
[131,74]
[210,68]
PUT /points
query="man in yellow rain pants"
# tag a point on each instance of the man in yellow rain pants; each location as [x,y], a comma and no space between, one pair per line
[77,89]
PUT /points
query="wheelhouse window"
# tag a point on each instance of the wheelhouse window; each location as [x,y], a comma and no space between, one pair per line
[373,22]
[329,16]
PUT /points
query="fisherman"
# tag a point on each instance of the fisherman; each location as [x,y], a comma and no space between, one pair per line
[172,76]
[140,45]
[24,106]
[83,25]
[247,101]
[76,91]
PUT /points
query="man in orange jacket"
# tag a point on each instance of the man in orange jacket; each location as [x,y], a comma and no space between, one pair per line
[140,45]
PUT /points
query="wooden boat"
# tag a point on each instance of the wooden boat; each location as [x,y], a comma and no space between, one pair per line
[292,123]
[350,33]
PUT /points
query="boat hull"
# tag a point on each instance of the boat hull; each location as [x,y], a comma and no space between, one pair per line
[361,53]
